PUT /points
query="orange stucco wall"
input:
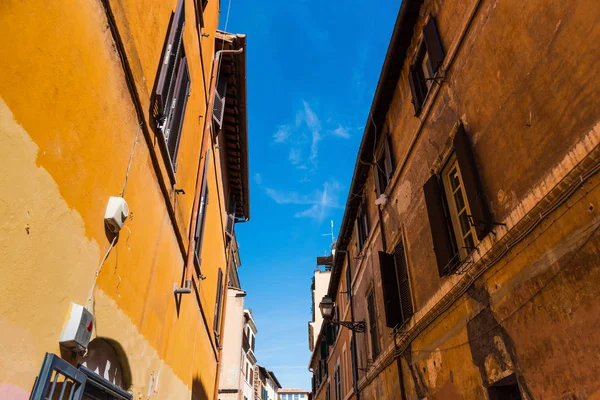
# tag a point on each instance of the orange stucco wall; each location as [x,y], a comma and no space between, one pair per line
[67,127]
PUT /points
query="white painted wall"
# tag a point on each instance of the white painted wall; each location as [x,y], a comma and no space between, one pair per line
[231,366]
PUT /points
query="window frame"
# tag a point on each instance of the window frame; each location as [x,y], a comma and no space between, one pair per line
[201,216]
[383,166]
[362,227]
[463,250]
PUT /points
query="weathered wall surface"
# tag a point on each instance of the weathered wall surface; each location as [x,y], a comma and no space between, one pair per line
[67,126]
[521,77]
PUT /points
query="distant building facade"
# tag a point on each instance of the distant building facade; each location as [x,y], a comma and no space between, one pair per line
[470,239]
[107,110]
[320,284]
[294,394]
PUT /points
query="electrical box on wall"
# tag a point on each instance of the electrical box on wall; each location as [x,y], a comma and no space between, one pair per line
[116,213]
[78,330]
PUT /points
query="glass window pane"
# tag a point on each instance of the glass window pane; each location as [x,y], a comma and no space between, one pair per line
[465,225]
[454,180]
[459,200]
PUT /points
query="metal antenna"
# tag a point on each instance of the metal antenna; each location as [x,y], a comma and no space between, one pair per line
[330,234]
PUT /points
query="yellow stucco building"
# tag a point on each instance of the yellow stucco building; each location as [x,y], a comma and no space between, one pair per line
[143,102]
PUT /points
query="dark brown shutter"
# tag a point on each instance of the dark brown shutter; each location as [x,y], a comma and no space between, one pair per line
[377,178]
[403,282]
[389,160]
[168,63]
[434,45]
[442,241]
[468,170]
[354,361]
[324,349]
[218,302]
[417,98]
[348,279]
[391,299]
[330,334]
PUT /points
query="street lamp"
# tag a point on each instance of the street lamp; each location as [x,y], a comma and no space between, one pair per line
[327,306]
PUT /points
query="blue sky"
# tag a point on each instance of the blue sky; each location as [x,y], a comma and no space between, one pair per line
[312,68]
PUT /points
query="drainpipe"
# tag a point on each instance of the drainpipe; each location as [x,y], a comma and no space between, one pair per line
[189,270]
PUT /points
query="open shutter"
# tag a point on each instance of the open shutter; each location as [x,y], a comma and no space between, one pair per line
[389,161]
[389,285]
[58,380]
[354,362]
[167,66]
[218,303]
[199,234]
[443,246]
[434,45]
[348,279]
[177,111]
[415,90]
[403,282]
[377,178]
[480,214]
[219,103]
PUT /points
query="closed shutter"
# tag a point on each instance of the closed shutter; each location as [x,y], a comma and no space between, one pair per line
[415,90]
[403,282]
[218,303]
[468,170]
[379,186]
[165,77]
[443,246]
[324,349]
[435,50]
[391,299]
[199,234]
[330,334]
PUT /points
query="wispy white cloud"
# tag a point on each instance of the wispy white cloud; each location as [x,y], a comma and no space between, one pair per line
[320,201]
[282,134]
[314,125]
[295,156]
[258,178]
[341,132]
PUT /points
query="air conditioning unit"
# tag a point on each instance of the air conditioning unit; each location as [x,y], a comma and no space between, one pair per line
[78,330]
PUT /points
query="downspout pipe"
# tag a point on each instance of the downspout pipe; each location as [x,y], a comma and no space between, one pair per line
[189,270]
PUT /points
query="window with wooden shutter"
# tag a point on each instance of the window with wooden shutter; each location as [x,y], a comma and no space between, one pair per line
[373,325]
[353,356]
[218,305]
[479,214]
[362,224]
[443,243]
[348,279]
[383,167]
[219,102]
[403,282]
[389,285]
[429,59]
[172,87]
[201,219]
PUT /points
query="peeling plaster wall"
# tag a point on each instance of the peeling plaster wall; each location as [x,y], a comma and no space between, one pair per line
[67,126]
